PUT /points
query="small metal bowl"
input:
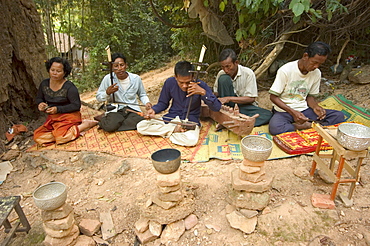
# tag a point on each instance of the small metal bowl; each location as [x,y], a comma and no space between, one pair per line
[256,148]
[50,196]
[166,161]
[353,136]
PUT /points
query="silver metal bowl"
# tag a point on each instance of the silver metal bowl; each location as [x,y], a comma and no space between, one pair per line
[256,148]
[353,136]
[166,161]
[50,196]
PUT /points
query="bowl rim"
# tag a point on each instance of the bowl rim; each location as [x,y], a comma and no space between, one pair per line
[258,136]
[162,150]
[343,125]
[47,184]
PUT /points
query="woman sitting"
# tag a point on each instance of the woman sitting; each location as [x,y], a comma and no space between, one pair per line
[59,98]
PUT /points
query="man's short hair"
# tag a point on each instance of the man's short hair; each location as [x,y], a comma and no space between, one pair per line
[318,48]
[183,68]
[226,53]
[118,55]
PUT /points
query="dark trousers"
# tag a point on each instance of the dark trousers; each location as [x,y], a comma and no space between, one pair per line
[120,121]
[283,122]
[226,89]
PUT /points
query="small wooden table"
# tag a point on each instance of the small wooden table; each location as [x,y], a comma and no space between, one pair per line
[7,204]
[339,154]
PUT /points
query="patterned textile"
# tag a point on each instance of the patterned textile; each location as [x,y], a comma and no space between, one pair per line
[124,143]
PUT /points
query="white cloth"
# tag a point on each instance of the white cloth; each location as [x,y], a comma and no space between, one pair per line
[134,90]
[159,128]
[244,83]
[293,87]
[124,82]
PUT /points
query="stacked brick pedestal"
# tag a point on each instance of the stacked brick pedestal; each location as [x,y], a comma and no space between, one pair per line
[248,195]
[164,215]
[60,226]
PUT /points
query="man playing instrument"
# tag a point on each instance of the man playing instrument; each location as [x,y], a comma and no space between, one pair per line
[180,91]
[125,88]
[294,90]
[236,84]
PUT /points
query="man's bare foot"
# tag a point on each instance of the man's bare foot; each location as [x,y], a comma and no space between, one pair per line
[87,124]
[302,126]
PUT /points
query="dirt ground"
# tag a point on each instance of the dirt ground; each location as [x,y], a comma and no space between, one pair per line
[96,185]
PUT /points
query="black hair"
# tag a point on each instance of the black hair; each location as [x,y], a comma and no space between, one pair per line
[67,68]
[318,48]
[183,68]
[226,53]
[118,55]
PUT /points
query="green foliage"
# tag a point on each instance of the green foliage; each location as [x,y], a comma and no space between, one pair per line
[129,27]
[252,14]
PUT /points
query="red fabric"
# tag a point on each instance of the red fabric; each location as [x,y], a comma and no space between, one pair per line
[58,128]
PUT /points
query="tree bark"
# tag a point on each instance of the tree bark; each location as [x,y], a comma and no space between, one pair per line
[22,55]
[270,58]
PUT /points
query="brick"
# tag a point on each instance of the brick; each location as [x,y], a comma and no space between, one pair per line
[253,163]
[168,189]
[322,201]
[84,240]
[89,227]
[64,241]
[171,196]
[172,232]
[58,213]
[252,177]
[250,169]
[171,179]
[239,184]
[145,236]
[190,221]
[58,233]
[142,224]
[155,228]
[61,224]
[162,204]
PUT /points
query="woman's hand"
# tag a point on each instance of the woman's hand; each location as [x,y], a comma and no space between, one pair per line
[51,110]
[42,106]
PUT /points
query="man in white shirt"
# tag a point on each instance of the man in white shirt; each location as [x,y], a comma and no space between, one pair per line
[126,88]
[236,84]
[293,93]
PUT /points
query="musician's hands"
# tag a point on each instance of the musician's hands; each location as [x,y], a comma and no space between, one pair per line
[321,113]
[150,113]
[112,89]
[148,106]
[224,100]
[194,88]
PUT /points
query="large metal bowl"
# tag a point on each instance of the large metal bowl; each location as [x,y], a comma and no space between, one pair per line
[353,136]
[166,161]
[50,196]
[256,148]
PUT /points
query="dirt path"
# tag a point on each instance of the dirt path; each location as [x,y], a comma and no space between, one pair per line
[95,187]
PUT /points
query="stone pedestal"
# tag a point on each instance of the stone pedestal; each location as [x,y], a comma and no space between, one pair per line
[163,215]
[250,186]
[60,226]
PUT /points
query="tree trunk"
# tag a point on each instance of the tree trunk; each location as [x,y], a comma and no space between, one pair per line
[22,55]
